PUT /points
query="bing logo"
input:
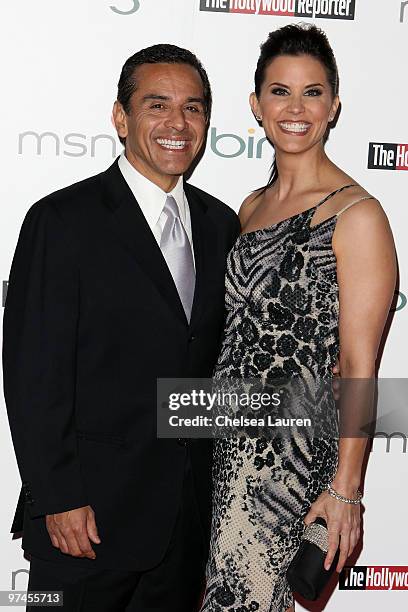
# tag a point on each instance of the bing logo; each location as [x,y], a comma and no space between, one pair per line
[233,145]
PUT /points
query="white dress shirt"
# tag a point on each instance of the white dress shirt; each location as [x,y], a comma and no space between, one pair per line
[152,199]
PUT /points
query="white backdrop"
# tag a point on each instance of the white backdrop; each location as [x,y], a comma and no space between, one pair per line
[60,66]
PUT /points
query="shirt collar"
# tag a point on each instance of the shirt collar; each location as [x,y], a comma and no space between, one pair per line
[149,196]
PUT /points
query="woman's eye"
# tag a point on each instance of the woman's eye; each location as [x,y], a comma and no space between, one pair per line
[314,92]
[279,91]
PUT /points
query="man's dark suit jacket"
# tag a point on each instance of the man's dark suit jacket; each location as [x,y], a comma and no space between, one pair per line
[92,319]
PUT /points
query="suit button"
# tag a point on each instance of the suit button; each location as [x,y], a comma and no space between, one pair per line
[192,338]
[28,496]
[181,441]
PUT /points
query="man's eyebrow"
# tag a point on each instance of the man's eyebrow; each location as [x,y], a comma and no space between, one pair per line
[152,96]
[199,100]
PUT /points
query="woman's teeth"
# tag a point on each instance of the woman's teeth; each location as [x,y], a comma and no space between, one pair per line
[295,127]
[172,144]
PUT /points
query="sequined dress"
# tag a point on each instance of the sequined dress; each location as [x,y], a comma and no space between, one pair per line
[282,320]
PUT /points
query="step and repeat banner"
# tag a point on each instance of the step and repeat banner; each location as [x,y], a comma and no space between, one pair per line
[60,66]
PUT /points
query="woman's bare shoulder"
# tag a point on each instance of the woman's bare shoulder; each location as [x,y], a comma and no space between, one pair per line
[354,196]
[249,205]
[362,221]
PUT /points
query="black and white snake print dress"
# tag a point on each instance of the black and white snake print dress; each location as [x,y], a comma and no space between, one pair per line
[282,320]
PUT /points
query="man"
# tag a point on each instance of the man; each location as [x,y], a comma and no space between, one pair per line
[116,281]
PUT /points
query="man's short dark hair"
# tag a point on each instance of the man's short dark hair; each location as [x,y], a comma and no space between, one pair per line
[160,54]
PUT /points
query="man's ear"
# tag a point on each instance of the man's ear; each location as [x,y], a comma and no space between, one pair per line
[119,119]
[253,101]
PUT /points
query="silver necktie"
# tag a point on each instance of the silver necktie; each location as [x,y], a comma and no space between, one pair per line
[176,249]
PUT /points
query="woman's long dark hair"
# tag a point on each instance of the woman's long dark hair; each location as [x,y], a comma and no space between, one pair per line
[296,39]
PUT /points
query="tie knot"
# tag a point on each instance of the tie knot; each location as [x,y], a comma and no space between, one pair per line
[171,207]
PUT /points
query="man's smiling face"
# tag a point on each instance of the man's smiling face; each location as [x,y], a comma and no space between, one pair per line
[165,128]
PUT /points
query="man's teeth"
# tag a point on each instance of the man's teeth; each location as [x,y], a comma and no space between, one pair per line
[171,144]
[295,127]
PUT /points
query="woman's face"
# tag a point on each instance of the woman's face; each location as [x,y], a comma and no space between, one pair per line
[295,103]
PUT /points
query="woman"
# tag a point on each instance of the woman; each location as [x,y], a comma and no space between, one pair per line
[310,280]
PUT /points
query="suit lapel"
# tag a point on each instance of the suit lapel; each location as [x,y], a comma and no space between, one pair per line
[204,241]
[132,229]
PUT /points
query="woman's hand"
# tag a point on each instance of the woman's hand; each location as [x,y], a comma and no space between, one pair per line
[343,522]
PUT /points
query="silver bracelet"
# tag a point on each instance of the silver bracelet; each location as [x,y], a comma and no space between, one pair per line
[341,498]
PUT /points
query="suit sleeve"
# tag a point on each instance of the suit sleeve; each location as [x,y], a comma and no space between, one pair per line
[235,229]
[39,362]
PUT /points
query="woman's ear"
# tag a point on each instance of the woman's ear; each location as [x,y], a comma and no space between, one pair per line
[253,101]
[334,108]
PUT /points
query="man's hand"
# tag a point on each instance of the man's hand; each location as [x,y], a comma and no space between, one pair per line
[72,531]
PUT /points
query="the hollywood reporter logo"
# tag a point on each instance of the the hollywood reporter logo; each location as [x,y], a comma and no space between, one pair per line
[315,9]
[374,577]
[387,156]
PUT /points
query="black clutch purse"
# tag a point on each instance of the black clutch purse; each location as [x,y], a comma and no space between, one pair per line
[306,573]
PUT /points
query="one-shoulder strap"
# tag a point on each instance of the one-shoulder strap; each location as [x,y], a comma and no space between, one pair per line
[355,202]
[333,193]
